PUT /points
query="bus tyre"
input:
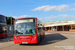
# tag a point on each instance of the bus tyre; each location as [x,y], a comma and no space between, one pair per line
[43,36]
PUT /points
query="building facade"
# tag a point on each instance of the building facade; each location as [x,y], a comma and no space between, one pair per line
[66,25]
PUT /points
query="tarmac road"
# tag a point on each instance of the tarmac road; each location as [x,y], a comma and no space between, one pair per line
[52,41]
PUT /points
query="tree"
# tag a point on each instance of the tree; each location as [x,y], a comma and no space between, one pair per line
[9,20]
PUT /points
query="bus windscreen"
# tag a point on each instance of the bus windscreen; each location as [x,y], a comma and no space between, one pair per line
[24,27]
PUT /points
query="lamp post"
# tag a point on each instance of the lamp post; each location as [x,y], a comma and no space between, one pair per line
[11,17]
[11,23]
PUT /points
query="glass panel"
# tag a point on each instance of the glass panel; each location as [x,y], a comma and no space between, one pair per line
[24,27]
[2,19]
[3,29]
[2,23]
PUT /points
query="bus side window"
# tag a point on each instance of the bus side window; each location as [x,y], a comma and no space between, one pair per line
[39,30]
[42,29]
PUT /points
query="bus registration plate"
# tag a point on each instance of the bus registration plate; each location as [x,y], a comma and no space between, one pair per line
[24,42]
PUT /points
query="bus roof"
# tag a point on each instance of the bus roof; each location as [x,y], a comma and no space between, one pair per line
[2,15]
[24,18]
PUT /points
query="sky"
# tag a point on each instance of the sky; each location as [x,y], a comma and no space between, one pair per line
[44,10]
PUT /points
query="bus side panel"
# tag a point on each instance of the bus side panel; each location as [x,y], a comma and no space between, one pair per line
[38,33]
[38,37]
[36,30]
[41,33]
[2,35]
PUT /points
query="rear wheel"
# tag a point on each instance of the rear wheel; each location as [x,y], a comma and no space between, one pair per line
[40,39]
[43,35]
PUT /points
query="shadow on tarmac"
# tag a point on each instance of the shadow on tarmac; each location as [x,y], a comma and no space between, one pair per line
[6,39]
[49,39]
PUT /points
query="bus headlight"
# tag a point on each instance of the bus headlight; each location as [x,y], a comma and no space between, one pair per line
[34,37]
[15,38]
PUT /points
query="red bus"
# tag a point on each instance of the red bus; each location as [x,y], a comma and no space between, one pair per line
[28,30]
[3,27]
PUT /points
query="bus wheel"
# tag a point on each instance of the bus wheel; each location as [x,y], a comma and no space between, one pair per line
[44,35]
